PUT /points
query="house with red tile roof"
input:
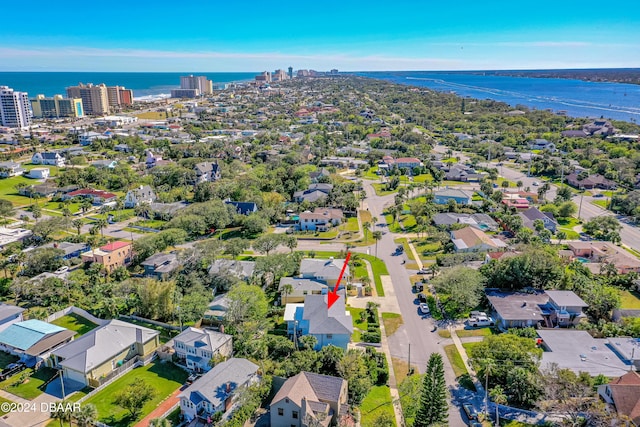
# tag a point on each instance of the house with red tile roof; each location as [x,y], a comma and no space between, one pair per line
[623,395]
[98,197]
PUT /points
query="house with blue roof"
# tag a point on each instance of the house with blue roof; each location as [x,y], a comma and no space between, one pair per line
[33,340]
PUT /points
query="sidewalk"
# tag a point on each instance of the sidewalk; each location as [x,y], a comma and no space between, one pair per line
[465,360]
[415,254]
[162,409]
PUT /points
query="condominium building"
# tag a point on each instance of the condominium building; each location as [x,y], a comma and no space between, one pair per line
[56,107]
[95,98]
[119,96]
[185,93]
[279,75]
[263,77]
[204,85]
[14,108]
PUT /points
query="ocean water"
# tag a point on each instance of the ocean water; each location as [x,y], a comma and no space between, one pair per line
[576,97]
[144,85]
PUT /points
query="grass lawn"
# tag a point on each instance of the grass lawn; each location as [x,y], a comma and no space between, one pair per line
[350,225]
[401,368]
[371,174]
[379,269]
[31,388]
[152,115]
[3,400]
[75,323]
[480,332]
[376,403]
[6,358]
[456,360]
[630,300]
[601,203]
[380,189]
[468,346]
[151,223]
[365,216]
[165,378]
[165,334]
[444,333]
[360,326]
[392,321]
[8,191]
[319,235]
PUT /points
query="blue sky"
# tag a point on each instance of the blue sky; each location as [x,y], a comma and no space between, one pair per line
[214,35]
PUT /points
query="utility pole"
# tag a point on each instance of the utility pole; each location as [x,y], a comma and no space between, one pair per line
[409,371]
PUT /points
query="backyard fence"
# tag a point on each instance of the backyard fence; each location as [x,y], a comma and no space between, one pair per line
[79,312]
[153,322]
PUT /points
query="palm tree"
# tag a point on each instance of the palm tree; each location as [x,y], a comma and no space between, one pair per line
[77,223]
[100,225]
[85,205]
[61,415]
[377,235]
[561,235]
[285,290]
[36,211]
[87,416]
[499,398]
[366,227]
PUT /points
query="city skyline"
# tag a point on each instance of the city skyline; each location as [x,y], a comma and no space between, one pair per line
[248,37]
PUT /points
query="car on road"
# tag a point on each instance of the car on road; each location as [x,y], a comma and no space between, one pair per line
[424,271]
[471,412]
[61,270]
[475,424]
[480,321]
[421,298]
[424,308]
[535,183]
[598,196]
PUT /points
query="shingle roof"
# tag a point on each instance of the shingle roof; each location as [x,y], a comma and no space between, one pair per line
[101,344]
[7,310]
[328,269]
[302,284]
[238,268]
[202,338]
[25,334]
[212,386]
[335,320]
[312,387]
[566,299]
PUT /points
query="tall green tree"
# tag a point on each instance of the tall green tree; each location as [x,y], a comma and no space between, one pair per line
[134,396]
[433,407]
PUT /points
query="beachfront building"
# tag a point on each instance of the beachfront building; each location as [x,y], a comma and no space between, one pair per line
[14,108]
[56,107]
[204,85]
[119,96]
[95,98]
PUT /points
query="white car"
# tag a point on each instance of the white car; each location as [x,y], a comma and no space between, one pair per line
[61,270]
[424,308]
[535,183]
[480,321]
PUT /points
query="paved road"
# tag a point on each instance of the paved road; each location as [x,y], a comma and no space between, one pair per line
[416,330]
[630,234]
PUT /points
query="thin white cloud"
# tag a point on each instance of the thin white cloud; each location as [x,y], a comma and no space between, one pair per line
[542,44]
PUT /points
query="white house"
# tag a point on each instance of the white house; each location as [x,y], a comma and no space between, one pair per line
[38,173]
[142,194]
[9,169]
[196,347]
[50,158]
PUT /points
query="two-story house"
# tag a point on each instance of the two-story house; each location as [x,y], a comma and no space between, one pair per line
[470,239]
[97,197]
[137,196]
[160,265]
[532,214]
[330,326]
[48,158]
[206,172]
[9,169]
[196,347]
[565,308]
[321,219]
[294,290]
[69,250]
[309,399]
[323,270]
[110,256]
[542,144]
[218,389]
[622,395]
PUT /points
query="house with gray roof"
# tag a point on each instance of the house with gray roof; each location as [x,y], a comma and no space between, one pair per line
[9,169]
[69,249]
[51,158]
[241,269]
[300,288]
[217,390]
[217,309]
[480,221]
[95,356]
[532,214]
[160,265]
[461,197]
[196,347]
[206,172]
[142,194]
[323,270]
[313,193]
[309,396]
[9,314]
[33,340]
[330,326]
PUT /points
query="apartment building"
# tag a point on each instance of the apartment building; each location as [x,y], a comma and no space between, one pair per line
[56,107]
[204,85]
[14,108]
[95,98]
[119,96]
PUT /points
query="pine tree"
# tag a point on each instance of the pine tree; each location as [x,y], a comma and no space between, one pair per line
[433,408]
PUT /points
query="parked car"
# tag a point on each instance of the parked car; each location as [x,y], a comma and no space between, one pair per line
[471,412]
[424,271]
[598,196]
[419,286]
[424,308]
[421,298]
[535,183]
[399,249]
[480,321]
[61,270]
[12,369]
[475,424]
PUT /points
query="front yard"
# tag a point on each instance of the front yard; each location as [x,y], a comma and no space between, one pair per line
[165,378]
[391,321]
[28,387]
[378,402]
[629,300]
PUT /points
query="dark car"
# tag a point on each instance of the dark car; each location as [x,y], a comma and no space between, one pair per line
[471,412]
[12,369]
[419,286]
[421,297]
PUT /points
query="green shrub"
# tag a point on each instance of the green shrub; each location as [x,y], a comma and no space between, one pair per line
[371,337]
